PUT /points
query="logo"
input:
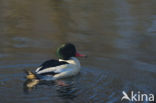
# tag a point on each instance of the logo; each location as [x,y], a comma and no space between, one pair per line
[137,96]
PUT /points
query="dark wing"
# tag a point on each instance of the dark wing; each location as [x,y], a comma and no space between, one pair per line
[49,64]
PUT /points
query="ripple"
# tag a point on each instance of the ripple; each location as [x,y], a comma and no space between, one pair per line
[18,66]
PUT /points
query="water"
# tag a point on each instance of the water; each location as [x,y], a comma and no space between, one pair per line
[118,37]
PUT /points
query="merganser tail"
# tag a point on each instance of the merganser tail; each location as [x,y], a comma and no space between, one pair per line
[30,75]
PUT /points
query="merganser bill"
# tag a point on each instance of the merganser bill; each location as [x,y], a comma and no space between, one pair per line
[67,65]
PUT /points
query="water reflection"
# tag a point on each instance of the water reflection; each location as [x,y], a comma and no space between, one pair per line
[119,36]
[65,90]
[29,85]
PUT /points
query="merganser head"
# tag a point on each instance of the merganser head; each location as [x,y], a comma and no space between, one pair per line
[68,50]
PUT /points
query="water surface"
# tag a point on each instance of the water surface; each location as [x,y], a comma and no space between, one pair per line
[119,37]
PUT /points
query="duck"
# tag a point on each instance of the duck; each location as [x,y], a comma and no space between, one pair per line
[66,66]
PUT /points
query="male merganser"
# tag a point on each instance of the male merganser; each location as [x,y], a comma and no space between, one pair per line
[67,65]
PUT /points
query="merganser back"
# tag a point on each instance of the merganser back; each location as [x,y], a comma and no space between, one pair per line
[67,65]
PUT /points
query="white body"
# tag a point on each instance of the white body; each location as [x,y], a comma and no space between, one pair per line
[63,71]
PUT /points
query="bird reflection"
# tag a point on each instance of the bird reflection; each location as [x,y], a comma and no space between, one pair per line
[64,90]
[29,84]
[67,92]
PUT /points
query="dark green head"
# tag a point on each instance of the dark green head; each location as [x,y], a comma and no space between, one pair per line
[66,51]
